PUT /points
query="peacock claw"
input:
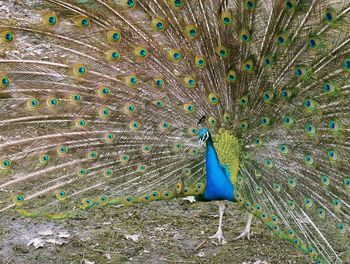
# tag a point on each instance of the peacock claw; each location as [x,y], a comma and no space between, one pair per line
[246,231]
[220,237]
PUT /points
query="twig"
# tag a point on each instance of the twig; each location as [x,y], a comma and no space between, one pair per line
[201,244]
[81,262]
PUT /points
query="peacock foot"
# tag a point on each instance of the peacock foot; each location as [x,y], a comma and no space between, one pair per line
[245,233]
[220,237]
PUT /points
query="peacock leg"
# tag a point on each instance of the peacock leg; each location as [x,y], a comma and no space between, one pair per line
[246,231]
[219,235]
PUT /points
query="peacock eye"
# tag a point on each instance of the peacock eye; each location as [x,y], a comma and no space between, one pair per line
[159,83]
[62,150]
[131,81]
[92,155]
[85,22]
[79,70]
[176,55]
[248,66]
[134,125]
[115,55]
[131,108]
[191,31]
[44,158]
[231,76]
[333,125]
[289,5]
[250,5]
[245,36]
[310,128]
[347,182]
[146,148]
[178,4]
[288,121]
[312,43]
[222,52]
[5,164]
[116,36]
[189,82]
[192,131]
[109,136]
[52,102]
[130,3]
[7,36]
[330,16]
[140,52]
[124,158]
[265,121]
[82,172]
[346,64]
[213,98]
[108,173]
[18,199]
[32,103]
[164,125]
[104,112]
[310,104]
[200,62]
[52,20]
[5,82]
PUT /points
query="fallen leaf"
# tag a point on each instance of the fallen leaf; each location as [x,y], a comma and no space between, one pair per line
[37,243]
[45,233]
[63,235]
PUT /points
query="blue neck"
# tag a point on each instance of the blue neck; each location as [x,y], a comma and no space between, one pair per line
[212,162]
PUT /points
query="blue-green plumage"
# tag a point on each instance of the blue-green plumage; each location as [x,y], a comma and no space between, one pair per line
[218,186]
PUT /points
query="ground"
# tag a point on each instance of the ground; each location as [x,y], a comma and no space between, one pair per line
[161,232]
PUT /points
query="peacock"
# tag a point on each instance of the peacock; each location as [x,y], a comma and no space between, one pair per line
[122,102]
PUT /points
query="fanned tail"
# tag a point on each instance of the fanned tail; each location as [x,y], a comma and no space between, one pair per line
[102,101]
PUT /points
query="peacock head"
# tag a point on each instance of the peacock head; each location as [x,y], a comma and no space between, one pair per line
[204,135]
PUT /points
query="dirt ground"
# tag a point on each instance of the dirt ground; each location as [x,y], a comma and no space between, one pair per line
[161,232]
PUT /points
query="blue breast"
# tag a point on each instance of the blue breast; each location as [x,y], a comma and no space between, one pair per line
[219,186]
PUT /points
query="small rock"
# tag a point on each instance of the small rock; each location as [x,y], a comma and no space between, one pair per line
[134,238]
[107,255]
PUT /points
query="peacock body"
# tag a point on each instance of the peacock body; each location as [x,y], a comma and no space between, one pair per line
[102,102]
